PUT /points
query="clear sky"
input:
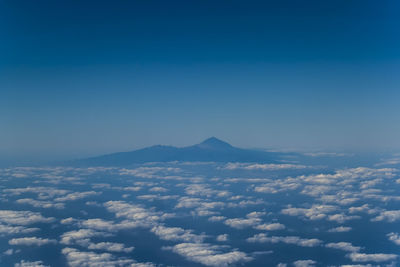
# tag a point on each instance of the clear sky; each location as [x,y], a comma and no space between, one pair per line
[90,77]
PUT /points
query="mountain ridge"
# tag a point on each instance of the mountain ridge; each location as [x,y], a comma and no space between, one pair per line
[211,149]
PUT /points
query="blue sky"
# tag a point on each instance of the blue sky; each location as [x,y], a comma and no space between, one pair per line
[84,78]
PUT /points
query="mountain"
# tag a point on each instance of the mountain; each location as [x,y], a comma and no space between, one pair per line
[211,149]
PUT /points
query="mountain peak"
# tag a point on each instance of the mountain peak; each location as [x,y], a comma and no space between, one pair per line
[214,142]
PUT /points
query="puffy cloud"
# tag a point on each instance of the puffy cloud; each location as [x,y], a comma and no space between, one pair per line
[341,218]
[78,258]
[80,236]
[340,229]
[10,230]
[24,263]
[110,246]
[270,227]
[241,223]
[343,246]
[40,203]
[394,237]
[316,212]
[304,263]
[136,214]
[216,218]
[158,189]
[31,241]
[295,240]
[176,234]
[210,255]
[388,215]
[222,238]
[378,257]
[22,217]
[76,195]
[264,167]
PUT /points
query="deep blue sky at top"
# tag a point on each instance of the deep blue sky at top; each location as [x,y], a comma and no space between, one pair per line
[88,77]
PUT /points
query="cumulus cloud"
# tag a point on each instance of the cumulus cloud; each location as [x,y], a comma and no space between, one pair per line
[264,167]
[340,229]
[378,257]
[388,215]
[304,263]
[31,241]
[22,217]
[394,237]
[316,212]
[40,203]
[78,258]
[270,226]
[76,195]
[110,246]
[24,263]
[176,234]
[210,255]
[222,238]
[345,246]
[241,223]
[295,240]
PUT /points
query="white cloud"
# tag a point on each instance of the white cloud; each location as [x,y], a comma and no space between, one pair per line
[22,217]
[304,263]
[240,223]
[40,203]
[210,255]
[31,241]
[10,230]
[24,263]
[388,215]
[316,212]
[341,218]
[378,257]
[110,246]
[176,234]
[77,195]
[270,227]
[78,258]
[343,246]
[264,167]
[340,229]
[222,238]
[394,237]
[295,240]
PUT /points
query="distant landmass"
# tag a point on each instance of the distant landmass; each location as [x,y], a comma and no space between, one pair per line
[211,149]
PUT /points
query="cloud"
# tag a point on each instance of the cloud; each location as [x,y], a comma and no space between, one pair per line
[11,230]
[216,218]
[31,241]
[304,263]
[270,227]
[24,263]
[341,218]
[222,238]
[394,237]
[110,246]
[77,195]
[241,223]
[264,167]
[176,234]
[345,246]
[378,257]
[136,215]
[316,212]
[40,203]
[340,229]
[388,215]
[295,240]
[80,236]
[22,217]
[78,258]
[209,255]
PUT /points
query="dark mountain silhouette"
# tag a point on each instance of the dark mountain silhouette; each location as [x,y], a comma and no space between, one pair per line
[211,149]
